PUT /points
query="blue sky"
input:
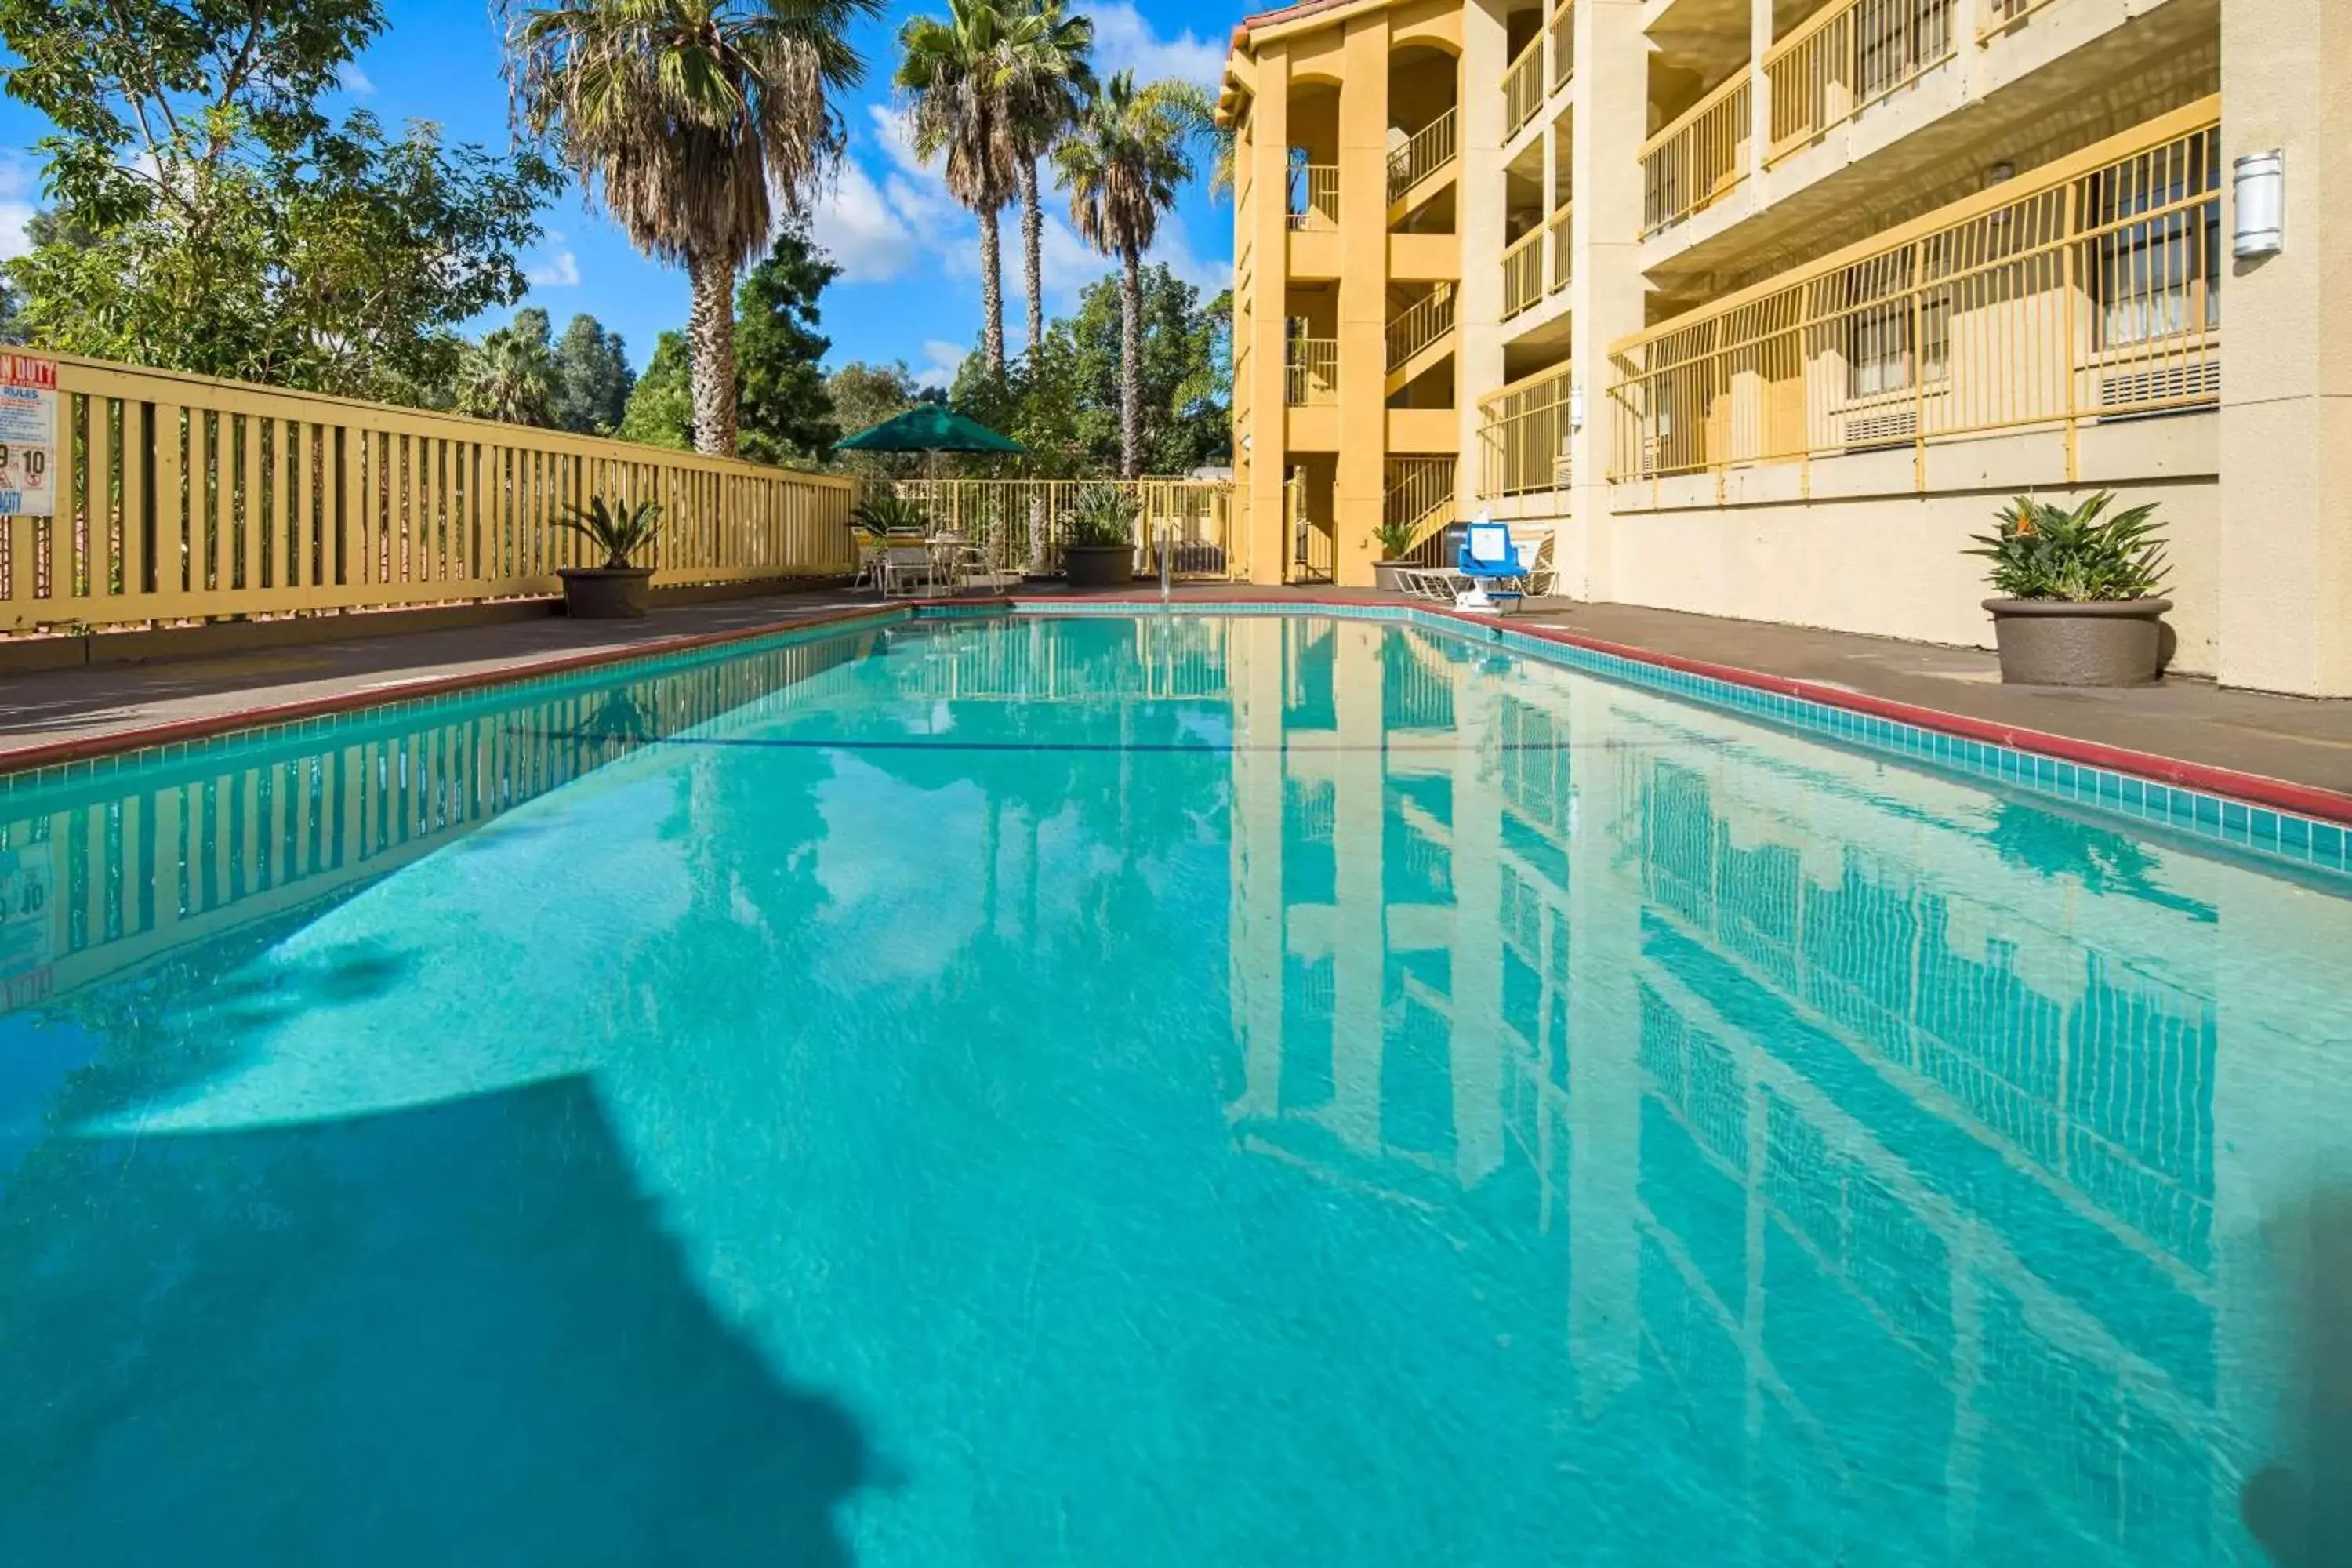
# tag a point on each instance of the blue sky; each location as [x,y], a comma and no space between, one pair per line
[910,289]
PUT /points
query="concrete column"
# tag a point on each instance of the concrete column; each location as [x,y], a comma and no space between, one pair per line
[2286,388]
[1478,219]
[1759,91]
[1361,480]
[1269,539]
[1611,101]
[1550,180]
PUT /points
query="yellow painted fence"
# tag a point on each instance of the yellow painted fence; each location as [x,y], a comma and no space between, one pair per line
[183,498]
[2086,290]
[1018,522]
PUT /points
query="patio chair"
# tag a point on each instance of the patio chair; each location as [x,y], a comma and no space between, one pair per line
[902,566]
[1496,569]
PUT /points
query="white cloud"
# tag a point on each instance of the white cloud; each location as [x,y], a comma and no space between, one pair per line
[943,360]
[860,229]
[559,268]
[355,80]
[17,189]
[1125,41]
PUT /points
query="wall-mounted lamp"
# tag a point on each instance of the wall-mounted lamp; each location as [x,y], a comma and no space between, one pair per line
[2259,186]
[1576,408]
[1246,441]
[2004,170]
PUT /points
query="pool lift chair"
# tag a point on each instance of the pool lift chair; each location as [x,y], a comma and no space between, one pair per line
[1496,571]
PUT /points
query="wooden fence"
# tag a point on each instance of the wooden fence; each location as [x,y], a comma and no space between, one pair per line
[183,498]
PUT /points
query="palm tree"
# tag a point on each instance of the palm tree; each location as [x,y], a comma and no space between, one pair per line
[952,73]
[1124,160]
[1046,76]
[508,377]
[685,114]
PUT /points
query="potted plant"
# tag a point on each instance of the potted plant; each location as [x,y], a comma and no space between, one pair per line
[1394,536]
[2078,604]
[616,589]
[1098,538]
[885,513]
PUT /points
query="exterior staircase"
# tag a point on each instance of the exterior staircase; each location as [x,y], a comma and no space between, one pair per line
[1420,335]
[1420,494]
[1416,168]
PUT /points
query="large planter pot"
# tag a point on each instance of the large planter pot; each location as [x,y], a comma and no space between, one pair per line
[606,593]
[1388,577]
[1098,565]
[2053,642]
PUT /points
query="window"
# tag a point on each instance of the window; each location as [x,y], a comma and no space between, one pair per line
[2160,276]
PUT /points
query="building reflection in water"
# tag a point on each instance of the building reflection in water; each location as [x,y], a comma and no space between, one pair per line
[1876,1116]
[1896,1146]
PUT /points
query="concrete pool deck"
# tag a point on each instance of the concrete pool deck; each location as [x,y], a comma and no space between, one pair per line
[98,706]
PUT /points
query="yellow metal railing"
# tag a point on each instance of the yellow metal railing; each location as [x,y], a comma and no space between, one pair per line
[1523,272]
[1318,198]
[2000,15]
[1563,44]
[1314,554]
[1017,524]
[1310,371]
[1420,324]
[1847,57]
[1694,161]
[1523,85]
[180,497]
[1428,151]
[1563,259]
[1522,433]
[2087,288]
[1420,495]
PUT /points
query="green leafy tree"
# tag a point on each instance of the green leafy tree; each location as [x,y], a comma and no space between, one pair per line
[509,375]
[787,414]
[683,117]
[593,379]
[953,75]
[1124,161]
[863,395]
[660,410]
[211,218]
[1064,402]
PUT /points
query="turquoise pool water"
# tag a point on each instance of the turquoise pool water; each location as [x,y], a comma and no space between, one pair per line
[1252,1090]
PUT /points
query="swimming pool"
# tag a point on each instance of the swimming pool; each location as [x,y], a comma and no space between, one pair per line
[1140,1090]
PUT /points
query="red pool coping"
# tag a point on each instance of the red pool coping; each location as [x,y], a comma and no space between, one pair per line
[2253,789]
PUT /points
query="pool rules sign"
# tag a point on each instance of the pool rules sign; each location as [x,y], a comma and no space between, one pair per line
[28,436]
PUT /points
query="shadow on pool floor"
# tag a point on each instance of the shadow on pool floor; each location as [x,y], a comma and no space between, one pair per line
[451,1334]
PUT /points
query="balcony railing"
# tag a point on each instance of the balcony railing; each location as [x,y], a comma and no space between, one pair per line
[1310,371]
[1430,149]
[1522,433]
[1847,57]
[1420,324]
[1523,272]
[2083,290]
[1523,85]
[1563,44]
[1563,259]
[1694,161]
[2000,15]
[1316,198]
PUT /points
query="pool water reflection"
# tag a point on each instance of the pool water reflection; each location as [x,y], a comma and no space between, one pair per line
[1161,1089]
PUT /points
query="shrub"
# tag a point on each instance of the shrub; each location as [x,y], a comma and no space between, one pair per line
[2045,551]
[1394,537]
[616,528]
[885,511]
[1102,514]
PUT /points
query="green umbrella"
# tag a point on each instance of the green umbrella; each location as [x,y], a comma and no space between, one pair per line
[928,428]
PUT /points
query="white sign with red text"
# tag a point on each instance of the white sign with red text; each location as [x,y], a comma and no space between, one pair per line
[28,436]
